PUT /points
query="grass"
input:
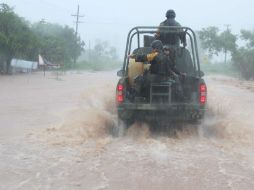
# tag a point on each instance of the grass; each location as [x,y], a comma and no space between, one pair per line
[219,68]
[98,66]
[94,66]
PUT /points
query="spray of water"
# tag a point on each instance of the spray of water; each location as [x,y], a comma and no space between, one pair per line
[96,116]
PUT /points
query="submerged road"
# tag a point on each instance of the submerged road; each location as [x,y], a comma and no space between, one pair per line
[54,134]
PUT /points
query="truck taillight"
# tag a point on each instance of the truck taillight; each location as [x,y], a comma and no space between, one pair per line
[120,95]
[120,87]
[203,93]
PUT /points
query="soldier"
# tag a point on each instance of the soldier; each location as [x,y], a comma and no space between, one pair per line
[169,51]
[159,61]
[176,75]
[162,67]
[163,34]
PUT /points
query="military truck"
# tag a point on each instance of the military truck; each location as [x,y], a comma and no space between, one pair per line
[161,102]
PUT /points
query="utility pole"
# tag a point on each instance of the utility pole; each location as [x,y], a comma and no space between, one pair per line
[227,26]
[89,51]
[76,31]
[42,21]
[225,50]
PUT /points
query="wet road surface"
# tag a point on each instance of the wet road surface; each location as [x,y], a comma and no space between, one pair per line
[55,134]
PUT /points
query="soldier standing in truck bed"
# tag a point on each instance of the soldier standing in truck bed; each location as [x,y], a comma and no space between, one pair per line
[163,35]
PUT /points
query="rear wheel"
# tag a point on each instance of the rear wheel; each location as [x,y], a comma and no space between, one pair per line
[119,129]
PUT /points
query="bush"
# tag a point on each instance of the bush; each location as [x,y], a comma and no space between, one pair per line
[244,62]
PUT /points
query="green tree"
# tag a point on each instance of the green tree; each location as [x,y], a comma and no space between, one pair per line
[215,42]
[58,44]
[15,36]
[243,57]
[101,48]
[210,40]
[20,39]
[101,56]
[112,52]
[227,42]
[248,37]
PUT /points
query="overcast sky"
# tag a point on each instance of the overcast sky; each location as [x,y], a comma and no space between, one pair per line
[111,19]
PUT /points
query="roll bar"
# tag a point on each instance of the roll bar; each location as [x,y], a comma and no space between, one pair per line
[138,30]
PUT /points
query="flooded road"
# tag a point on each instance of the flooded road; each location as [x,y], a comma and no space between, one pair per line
[55,134]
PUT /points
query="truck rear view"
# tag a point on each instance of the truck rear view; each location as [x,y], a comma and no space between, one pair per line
[160,100]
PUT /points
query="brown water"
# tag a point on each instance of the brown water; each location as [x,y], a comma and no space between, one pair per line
[55,134]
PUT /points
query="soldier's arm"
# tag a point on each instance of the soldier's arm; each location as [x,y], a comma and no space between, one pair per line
[157,34]
[178,24]
[175,70]
[143,58]
[151,56]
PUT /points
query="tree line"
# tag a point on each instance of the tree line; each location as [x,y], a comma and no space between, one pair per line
[24,40]
[215,41]
[102,56]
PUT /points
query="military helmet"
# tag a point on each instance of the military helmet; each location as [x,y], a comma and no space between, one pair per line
[157,44]
[170,13]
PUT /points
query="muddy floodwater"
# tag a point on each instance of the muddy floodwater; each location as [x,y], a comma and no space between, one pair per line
[55,134]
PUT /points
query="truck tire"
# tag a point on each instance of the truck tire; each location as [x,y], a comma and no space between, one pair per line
[119,129]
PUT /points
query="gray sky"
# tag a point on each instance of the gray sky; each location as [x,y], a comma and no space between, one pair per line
[111,19]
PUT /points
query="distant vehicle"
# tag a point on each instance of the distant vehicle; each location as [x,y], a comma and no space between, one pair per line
[161,102]
[23,66]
